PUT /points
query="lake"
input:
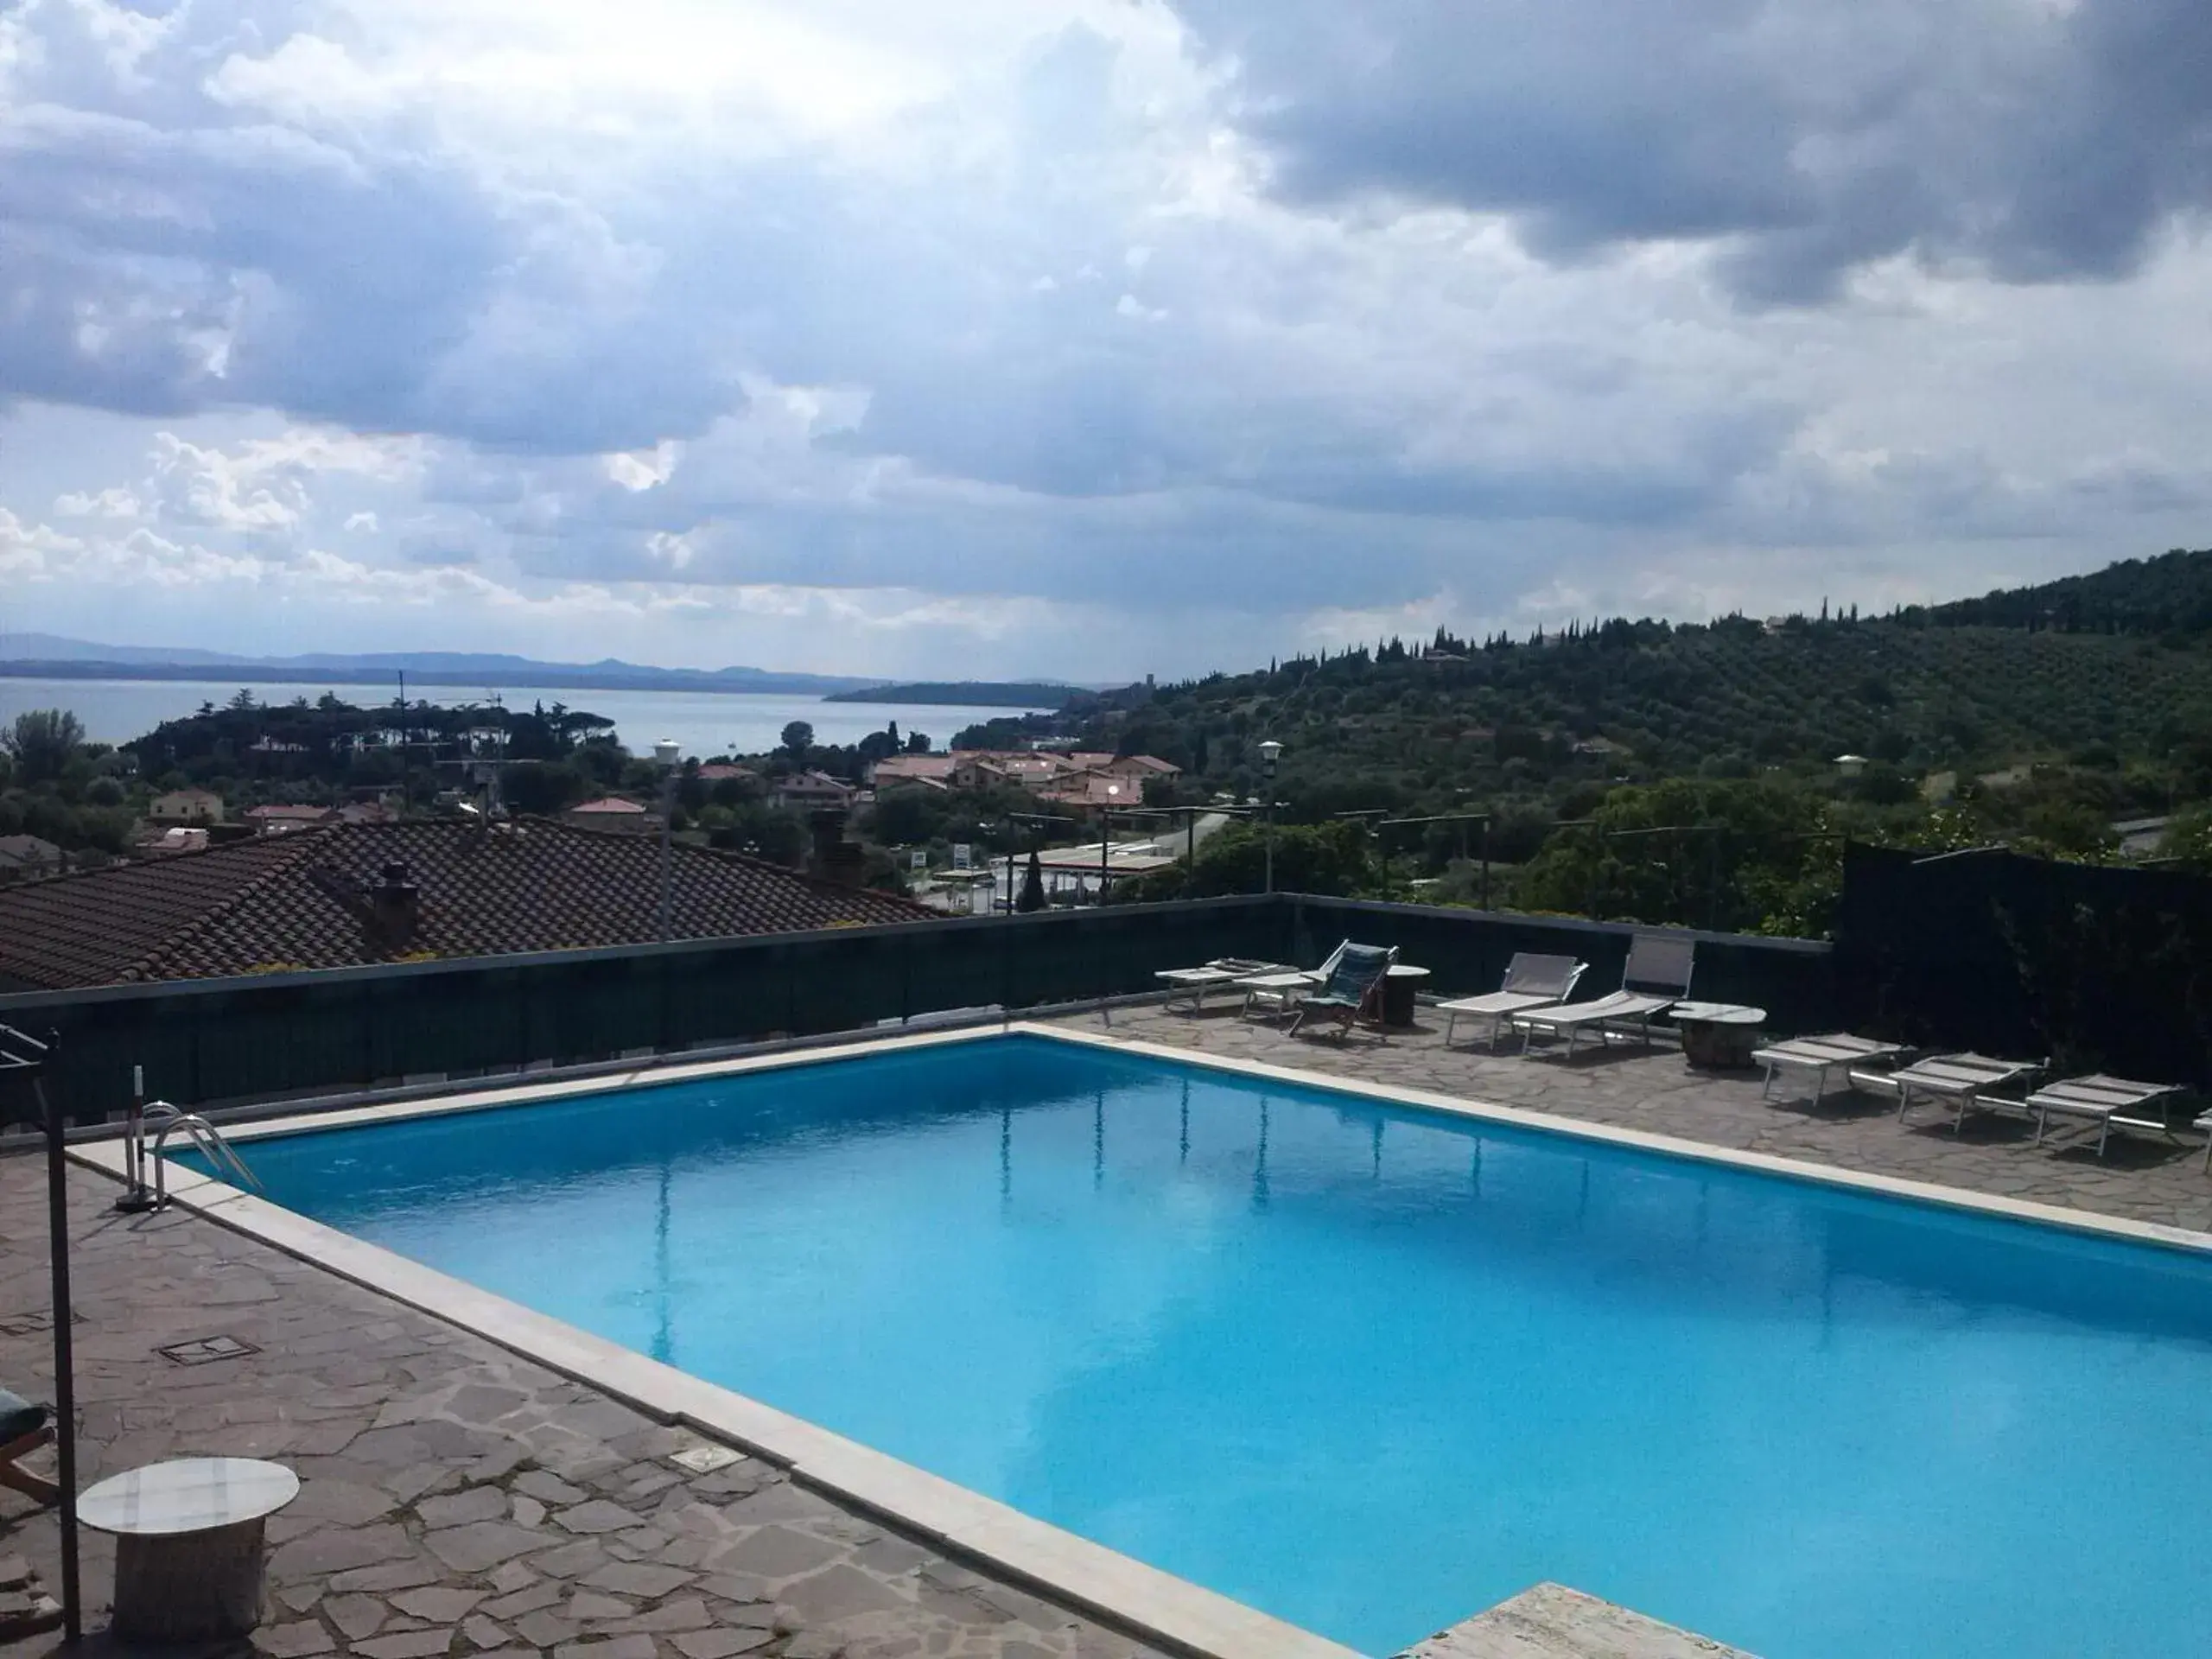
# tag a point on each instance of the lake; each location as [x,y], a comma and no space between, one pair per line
[704,722]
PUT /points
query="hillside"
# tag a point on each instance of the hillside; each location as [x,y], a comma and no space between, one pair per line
[2101,670]
[971,694]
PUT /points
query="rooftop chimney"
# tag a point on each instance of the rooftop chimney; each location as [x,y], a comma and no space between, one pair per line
[395,904]
[834,858]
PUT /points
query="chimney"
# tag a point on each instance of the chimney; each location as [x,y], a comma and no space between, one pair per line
[834,858]
[395,903]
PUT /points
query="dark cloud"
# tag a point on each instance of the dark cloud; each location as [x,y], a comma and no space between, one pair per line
[2043,143]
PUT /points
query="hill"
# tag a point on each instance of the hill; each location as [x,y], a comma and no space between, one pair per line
[972,694]
[43,656]
[2110,671]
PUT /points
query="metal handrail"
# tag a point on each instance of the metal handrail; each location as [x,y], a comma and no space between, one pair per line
[204,1136]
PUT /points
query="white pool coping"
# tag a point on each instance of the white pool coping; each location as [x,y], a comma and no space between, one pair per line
[1154,1605]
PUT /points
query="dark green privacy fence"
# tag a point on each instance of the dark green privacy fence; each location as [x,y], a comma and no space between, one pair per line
[2096,968]
[203,1042]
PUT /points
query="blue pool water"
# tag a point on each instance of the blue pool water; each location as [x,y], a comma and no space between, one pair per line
[1368,1370]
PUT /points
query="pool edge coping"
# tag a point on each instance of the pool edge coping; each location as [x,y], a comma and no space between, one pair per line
[1935,1193]
[1144,1601]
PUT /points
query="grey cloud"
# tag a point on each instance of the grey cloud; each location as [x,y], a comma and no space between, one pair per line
[2042,144]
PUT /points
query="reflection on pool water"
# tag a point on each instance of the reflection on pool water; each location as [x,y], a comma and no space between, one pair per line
[1367,1369]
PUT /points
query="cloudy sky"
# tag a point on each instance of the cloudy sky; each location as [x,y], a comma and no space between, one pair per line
[1081,337]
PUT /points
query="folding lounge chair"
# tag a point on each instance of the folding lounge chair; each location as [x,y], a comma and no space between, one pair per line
[2096,1097]
[1820,1055]
[1531,981]
[1354,987]
[23,1429]
[1963,1081]
[1656,977]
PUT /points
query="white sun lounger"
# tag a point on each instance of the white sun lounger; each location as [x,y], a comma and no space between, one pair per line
[1531,981]
[1820,1055]
[1963,1081]
[2096,1097]
[1655,978]
[1195,982]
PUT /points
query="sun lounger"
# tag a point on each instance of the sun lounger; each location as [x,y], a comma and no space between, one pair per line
[1531,981]
[1965,1081]
[1354,988]
[1655,978]
[2096,1097]
[1820,1055]
[23,1429]
[1195,982]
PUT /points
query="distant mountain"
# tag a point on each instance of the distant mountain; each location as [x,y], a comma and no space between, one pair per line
[45,656]
[54,648]
[969,694]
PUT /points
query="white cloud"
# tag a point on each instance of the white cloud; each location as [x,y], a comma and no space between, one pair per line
[1047,334]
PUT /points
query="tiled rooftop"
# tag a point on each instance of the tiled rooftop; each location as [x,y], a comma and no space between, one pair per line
[297,901]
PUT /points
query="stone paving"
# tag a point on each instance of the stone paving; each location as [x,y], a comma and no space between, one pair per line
[457,1500]
[2144,1177]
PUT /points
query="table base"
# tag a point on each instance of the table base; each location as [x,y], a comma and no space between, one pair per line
[1711,1046]
[190,1586]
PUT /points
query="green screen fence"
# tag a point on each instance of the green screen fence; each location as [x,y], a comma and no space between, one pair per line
[234,1041]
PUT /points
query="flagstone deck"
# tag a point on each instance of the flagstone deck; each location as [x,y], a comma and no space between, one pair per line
[2142,1177]
[455,1499]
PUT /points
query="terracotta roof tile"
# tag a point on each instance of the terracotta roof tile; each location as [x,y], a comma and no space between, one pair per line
[294,901]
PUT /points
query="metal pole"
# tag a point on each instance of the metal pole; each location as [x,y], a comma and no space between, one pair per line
[1105,844]
[1270,886]
[667,820]
[65,1370]
[1485,863]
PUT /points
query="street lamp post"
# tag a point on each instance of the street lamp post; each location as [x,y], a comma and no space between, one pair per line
[665,755]
[1270,751]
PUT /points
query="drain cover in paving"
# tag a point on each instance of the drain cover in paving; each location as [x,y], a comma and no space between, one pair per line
[704,1459]
[207,1349]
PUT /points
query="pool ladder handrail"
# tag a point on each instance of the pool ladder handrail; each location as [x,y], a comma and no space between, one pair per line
[203,1135]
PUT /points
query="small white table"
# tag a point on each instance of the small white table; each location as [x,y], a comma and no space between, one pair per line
[1193,983]
[1718,1036]
[1277,992]
[189,1543]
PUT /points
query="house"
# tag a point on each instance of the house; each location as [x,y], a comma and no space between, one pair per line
[282,820]
[343,895]
[187,806]
[611,812]
[1042,770]
[812,791]
[156,842]
[723,772]
[1094,792]
[25,858]
[933,769]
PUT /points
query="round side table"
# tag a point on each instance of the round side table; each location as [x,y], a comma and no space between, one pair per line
[189,1543]
[1718,1036]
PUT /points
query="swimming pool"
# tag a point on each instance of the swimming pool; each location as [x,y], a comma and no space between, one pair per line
[1366,1367]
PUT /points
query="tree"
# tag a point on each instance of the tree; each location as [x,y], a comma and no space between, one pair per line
[917,742]
[1032,887]
[41,742]
[799,738]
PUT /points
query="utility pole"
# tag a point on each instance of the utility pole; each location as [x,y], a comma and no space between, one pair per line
[1270,753]
[666,753]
